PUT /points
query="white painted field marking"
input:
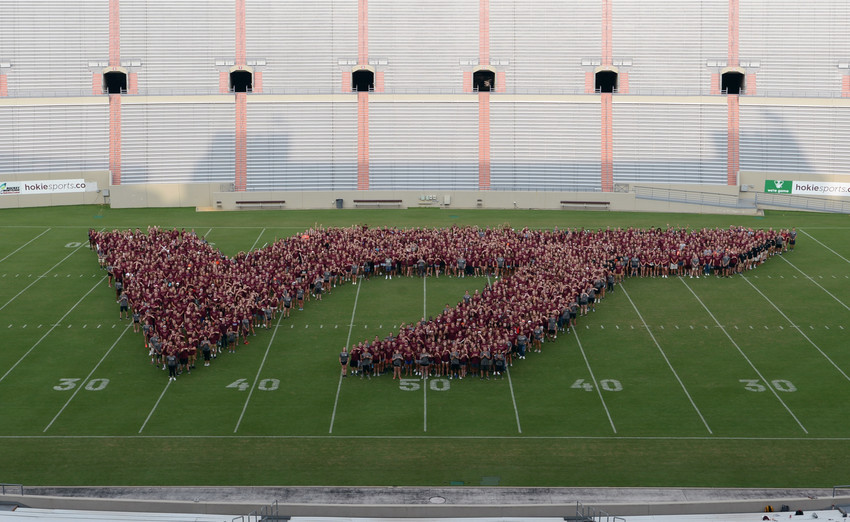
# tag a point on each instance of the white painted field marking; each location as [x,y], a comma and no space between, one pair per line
[414,437]
[669,364]
[42,275]
[593,378]
[798,329]
[826,247]
[263,231]
[257,377]
[347,342]
[161,395]
[205,236]
[839,301]
[25,244]
[24,356]
[753,366]
[80,387]
[513,398]
[424,388]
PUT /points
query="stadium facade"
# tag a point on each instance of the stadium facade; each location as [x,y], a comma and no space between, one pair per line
[424,102]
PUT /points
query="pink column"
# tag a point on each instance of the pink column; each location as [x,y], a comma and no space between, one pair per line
[241,163]
[607,180]
[362,141]
[96,84]
[115,138]
[4,85]
[607,159]
[733,158]
[483,141]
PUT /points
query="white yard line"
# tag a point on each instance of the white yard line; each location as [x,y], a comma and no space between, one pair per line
[84,381]
[753,366]
[263,231]
[513,399]
[25,244]
[205,236]
[347,342]
[800,330]
[37,279]
[420,437]
[839,301]
[161,395]
[664,355]
[826,247]
[425,380]
[593,378]
[24,356]
[257,377]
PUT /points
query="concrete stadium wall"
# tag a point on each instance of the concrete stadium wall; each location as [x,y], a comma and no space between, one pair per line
[49,200]
[419,510]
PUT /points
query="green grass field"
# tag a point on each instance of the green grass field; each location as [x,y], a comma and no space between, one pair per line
[738,382]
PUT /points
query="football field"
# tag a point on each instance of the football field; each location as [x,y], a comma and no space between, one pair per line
[733,382]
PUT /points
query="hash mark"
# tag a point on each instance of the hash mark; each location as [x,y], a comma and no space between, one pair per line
[826,326]
[85,325]
[780,327]
[766,328]
[602,326]
[662,326]
[751,327]
[24,326]
[736,326]
[677,327]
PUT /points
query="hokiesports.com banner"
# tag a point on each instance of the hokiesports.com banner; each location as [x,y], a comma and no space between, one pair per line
[52,186]
[806,188]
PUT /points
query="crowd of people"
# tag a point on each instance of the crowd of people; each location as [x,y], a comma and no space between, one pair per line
[189,300]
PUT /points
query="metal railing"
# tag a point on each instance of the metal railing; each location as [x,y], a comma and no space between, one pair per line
[590,514]
[834,488]
[19,487]
[809,203]
[268,513]
[691,197]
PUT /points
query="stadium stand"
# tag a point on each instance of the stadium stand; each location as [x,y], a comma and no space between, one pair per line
[164,102]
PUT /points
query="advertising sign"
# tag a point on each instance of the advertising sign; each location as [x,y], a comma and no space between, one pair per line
[53,186]
[807,188]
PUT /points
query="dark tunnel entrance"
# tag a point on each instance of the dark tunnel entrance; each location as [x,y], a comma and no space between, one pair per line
[363,80]
[115,82]
[240,81]
[606,81]
[732,83]
[484,80]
